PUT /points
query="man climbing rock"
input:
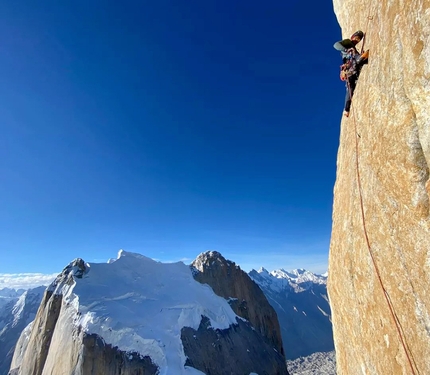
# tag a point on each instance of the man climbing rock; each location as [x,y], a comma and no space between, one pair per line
[353,61]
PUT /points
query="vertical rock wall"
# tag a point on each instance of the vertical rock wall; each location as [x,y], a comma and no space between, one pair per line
[390,121]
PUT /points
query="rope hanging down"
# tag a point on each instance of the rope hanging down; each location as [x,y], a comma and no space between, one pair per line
[400,331]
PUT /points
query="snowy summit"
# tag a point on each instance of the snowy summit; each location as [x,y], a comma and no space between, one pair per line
[135,315]
[145,305]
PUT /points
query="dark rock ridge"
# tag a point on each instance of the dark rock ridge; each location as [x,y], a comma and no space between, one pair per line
[241,348]
[245,297]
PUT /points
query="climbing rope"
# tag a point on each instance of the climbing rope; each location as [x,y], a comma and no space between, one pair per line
[400,331]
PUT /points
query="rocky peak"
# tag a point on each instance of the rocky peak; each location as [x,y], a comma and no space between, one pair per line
[245,297]
[64,282]
[210,259]
[76,268]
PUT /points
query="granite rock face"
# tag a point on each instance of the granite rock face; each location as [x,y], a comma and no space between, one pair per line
[388,131]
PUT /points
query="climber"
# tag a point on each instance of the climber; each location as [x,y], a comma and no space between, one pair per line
[353,61]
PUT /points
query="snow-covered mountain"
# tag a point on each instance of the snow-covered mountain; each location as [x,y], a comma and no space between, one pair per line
[135,315]
[8,295]
[15,315]
[300,300]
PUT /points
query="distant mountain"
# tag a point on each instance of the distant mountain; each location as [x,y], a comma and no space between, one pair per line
[10,293]
[134,315]
[14,317]
[300,300]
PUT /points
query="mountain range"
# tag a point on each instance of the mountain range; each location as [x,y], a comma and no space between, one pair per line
[17,311]
[301,302]
[114,313]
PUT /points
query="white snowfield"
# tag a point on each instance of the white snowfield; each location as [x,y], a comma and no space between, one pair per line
[141,305]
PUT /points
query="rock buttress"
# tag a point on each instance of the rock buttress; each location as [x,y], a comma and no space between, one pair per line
[240,347]
[245,297]
[390,121]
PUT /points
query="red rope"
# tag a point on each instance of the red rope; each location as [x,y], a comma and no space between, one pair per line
[399,328]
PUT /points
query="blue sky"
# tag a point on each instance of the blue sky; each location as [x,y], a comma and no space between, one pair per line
[167,128]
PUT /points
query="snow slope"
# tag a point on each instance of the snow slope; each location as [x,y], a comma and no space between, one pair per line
[145,305]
